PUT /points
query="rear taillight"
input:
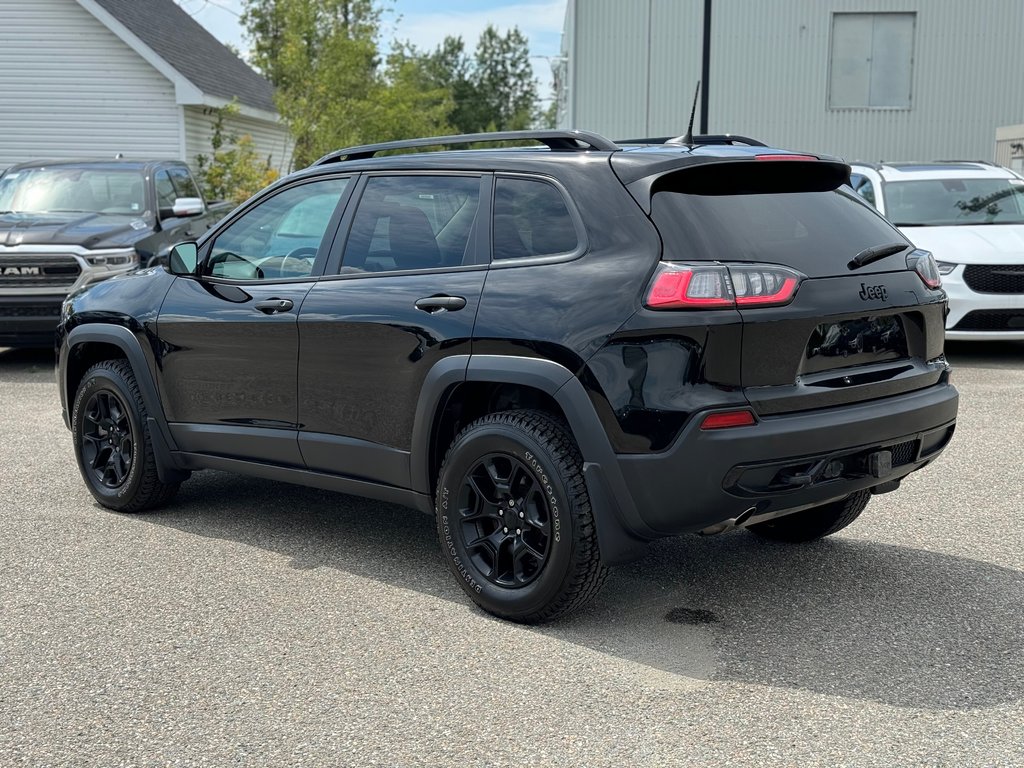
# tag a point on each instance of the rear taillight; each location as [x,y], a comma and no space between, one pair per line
[717,286]
[924,264]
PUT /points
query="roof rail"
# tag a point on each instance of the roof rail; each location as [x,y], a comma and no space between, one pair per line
[556,140]
[979,162]
[714,138]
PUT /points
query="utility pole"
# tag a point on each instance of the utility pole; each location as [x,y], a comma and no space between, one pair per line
[705,68]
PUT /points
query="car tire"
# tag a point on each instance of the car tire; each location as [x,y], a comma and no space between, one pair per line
[816,522]
[514,518]
[112,442]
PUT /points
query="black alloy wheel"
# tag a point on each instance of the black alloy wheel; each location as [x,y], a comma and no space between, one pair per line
[505,520]
[514,517]
[112,440]
[108,445]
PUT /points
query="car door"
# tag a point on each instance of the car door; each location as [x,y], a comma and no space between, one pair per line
[228,337]
[401,294]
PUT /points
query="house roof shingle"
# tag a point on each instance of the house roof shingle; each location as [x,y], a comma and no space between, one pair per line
[184,44]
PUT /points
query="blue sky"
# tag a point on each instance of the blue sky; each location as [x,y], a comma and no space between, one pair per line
[426,22]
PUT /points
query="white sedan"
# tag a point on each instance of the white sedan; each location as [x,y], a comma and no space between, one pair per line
[970,215]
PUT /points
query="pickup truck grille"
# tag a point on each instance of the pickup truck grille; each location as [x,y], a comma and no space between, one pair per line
[50,309]
[1002,278]
[42,271]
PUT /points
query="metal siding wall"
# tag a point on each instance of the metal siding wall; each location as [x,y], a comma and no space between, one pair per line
[769,74]
[676,34]
[271,139]
[770,78]
[610,79]
[71,88]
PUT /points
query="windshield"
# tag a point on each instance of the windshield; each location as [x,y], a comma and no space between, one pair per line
[68,189]
[949,202]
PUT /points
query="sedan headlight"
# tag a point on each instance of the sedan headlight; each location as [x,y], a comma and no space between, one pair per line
[945,267]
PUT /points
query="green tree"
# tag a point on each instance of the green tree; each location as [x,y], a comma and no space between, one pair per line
[506,91]
[494,89]
[333,89]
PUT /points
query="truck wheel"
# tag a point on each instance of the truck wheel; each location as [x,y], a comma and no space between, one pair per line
[514,517]
[816,522]
[112,443]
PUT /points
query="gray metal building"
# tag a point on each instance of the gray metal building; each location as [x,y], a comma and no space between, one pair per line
[864,79]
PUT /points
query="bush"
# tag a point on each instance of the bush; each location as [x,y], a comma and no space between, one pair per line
[232,171]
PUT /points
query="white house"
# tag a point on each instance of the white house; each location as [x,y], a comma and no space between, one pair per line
[93,78]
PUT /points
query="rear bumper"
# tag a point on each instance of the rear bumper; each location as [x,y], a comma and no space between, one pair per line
[29,321]
[788,462]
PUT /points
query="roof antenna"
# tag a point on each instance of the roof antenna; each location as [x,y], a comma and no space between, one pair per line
[688,138]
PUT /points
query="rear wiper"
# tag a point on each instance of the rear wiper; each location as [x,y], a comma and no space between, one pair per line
[876,252]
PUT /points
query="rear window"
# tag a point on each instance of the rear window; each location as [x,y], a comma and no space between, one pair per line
[814,232]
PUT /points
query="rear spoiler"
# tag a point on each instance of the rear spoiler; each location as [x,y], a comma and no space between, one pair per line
[731,175]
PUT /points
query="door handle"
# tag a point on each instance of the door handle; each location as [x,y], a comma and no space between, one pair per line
[433,304]
[273,306]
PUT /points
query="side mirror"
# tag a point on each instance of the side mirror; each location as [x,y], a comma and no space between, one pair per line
[183,259]
[187,206]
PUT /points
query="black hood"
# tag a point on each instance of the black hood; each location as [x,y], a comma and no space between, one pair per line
[89,230]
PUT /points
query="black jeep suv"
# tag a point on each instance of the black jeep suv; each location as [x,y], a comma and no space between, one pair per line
[562,351]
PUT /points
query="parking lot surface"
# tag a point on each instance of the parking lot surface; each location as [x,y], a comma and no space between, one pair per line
[255,623]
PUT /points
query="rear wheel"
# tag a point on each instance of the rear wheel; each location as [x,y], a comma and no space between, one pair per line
[112,443]
[514,517]
[816,522]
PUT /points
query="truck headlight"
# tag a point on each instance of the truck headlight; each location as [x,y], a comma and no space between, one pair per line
[113,258]
[945,267]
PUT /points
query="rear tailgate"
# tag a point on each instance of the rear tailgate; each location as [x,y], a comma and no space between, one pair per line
[851,332]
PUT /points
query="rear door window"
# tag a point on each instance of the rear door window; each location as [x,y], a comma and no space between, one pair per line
[413,222]
[184,183]
[531,219]
[862,186]
[165,193]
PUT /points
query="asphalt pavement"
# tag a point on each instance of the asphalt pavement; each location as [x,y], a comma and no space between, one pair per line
[261,624]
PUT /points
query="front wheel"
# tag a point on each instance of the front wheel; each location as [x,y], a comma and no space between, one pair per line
[816,522]
[112,443]
[514,517]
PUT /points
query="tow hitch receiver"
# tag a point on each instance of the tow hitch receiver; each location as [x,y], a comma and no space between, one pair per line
[880,463]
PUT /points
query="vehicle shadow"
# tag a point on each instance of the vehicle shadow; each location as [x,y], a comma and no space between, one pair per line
[842,617]
[26,364]
[985,354]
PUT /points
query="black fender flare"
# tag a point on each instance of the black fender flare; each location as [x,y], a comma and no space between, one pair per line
[622,533]
[123,338]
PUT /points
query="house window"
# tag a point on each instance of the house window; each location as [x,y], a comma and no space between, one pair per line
[872,60]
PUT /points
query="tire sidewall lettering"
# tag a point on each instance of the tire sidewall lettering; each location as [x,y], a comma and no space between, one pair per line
[452,550]
[544,476]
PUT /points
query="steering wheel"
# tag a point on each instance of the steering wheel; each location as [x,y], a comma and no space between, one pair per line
[302,258]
